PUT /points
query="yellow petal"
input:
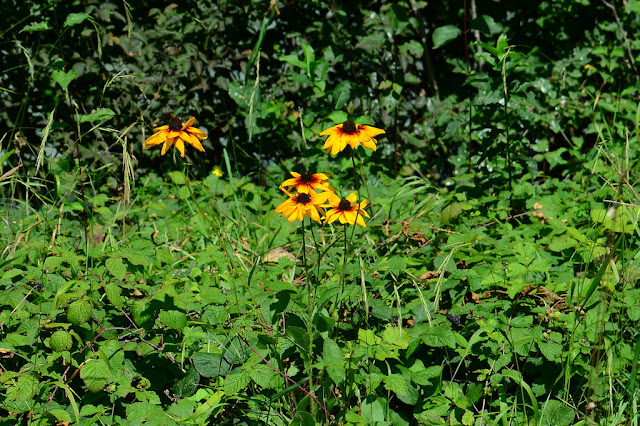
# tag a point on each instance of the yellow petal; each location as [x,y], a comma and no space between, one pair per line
[167,145]
[331,131]
[180,146]
[189,123]
[192,140]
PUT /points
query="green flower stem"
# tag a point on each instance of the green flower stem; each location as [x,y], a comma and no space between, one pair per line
[309,362]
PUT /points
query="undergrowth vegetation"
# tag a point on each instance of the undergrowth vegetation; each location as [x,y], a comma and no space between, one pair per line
[310,212]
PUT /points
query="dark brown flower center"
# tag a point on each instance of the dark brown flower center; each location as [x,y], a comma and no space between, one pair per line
[349,127]
[175,124]
[306,177]
[303,198]
[344,205]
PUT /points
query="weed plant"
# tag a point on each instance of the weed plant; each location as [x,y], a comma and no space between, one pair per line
[377,213]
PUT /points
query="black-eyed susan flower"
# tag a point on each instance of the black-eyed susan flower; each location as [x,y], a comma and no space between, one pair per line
[301,204]
[352,134]
[307,183]
[345,211]
[176,133]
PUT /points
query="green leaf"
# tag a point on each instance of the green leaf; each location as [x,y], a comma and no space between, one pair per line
[61,415]
[396,336]
[413,48]
[173,319]
[439,336]
[338,117]
[76,18]
[486,25]
[550,350]
[60,341]
[372,42]
[555,413]
[396,264]
[445,34]
[116,267]
[211,365]
[395,383]
[96,374]
[36,26]
[333,361]
[79,312]
[187,385]
[236,381]
[262,375]
[101,114]
[64,78]
[114,295]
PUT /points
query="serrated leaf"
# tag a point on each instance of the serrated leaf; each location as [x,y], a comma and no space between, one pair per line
[445,34]
[396,264]
[114,295]
[61,341]
[96,374]
[439,336]
[76,18]
[136,258]
[550,350]
[236,381]
[116,267]
[64,78]
[51,263]
[173,319]
[187,385]
[211,365]
[555,413]
[395,383]
[396,336]
[101,114]
[142,314]
[79,312]
[36,26]
[262,375]
[61,415]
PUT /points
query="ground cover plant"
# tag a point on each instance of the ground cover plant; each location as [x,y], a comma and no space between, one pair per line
[308,212]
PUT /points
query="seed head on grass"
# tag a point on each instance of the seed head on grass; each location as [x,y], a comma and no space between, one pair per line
[307,183]
[302,204]
[352,134]
[345,211]
[176,133]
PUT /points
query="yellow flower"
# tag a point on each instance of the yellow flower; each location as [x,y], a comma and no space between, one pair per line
[345,211]
[217,172]
[352,134]
[307,183]
[176,133]
[300,205]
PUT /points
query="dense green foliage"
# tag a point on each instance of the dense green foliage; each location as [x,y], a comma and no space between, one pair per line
[495,281]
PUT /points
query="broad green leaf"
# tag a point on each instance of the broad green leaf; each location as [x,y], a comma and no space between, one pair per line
[64,78]
[396,336]
[338,117]
[395,383]
[439,336]
[555,413]
[116,267]
[101,114]
[236,381]
[76,18]
[36,26]
[445,34]
[262,375]
[486,25]
[173,319]
[79,312]
[96,374]
[211,365]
